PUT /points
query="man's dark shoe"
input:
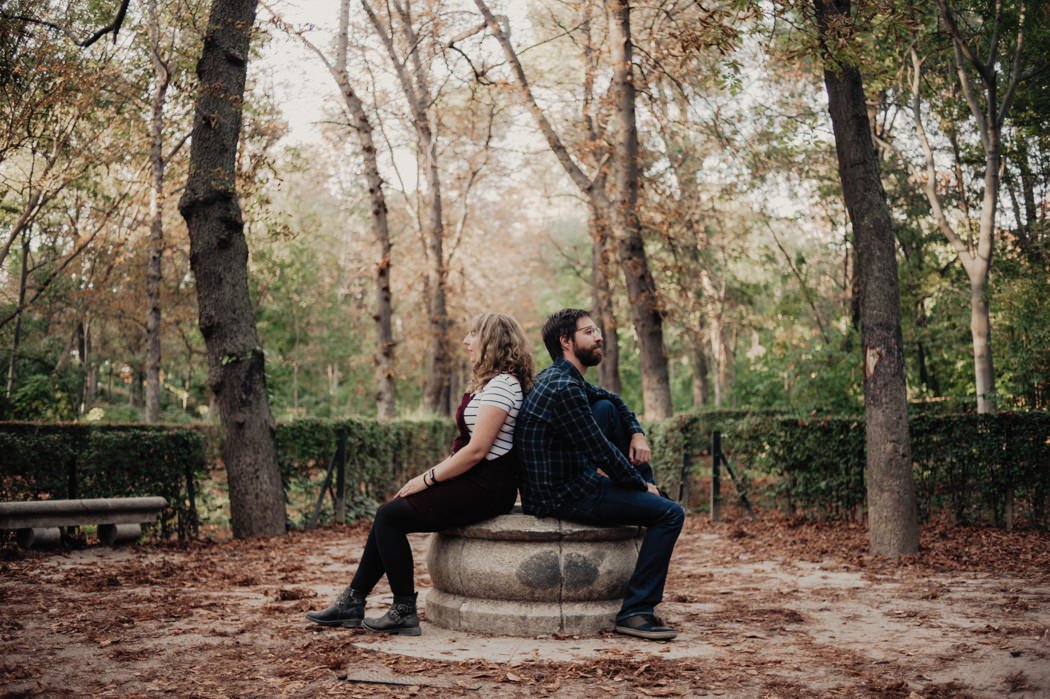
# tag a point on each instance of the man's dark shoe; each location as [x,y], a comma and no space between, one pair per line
[646,626]
[401,619]
[347,611]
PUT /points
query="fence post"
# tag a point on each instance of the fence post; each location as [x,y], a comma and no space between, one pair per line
[340,477]
[683,478]
[716,479]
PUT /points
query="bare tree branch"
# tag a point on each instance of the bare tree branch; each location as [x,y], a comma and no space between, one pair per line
[113,26]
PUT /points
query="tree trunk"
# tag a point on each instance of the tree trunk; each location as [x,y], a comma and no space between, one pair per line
[641,288]
[892,514]
[86,359]
[386,392]
[926,377]
[981,333]
[602,274]
[701,385]
[218,257]
[720,356]
[976,71]
[385,388]
[641,292]
[16,338]
[156,233]
[980,315]
[437,388]
[602,305]
[437,391]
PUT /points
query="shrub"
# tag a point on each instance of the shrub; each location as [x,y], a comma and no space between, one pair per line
[72,460]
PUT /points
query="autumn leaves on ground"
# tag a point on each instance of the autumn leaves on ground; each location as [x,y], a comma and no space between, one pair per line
[775,607]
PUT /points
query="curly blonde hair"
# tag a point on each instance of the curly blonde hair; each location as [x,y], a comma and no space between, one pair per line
[502,349]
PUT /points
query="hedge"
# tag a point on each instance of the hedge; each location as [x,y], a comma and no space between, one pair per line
[381,456]
[74,460]
[993,468]
[979,468]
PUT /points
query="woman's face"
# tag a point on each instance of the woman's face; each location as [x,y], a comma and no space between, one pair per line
[472,344]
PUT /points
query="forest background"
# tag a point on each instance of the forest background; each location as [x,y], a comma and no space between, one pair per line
[746,238]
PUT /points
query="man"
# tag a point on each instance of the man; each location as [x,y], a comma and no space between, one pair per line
[585,459]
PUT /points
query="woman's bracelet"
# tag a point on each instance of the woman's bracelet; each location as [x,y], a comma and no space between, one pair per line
[433,478]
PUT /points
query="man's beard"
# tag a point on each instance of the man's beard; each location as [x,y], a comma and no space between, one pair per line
[589,357]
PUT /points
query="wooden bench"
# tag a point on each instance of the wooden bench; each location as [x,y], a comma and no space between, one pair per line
[119,520]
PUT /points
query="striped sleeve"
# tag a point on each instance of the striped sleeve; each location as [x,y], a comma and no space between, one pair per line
[504,392]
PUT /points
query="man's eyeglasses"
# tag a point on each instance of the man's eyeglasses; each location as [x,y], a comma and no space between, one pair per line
[590,331]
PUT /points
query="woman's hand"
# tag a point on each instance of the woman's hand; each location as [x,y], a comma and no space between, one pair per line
[414,486]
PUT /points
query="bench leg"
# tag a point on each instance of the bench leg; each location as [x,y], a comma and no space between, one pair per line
[39,536]
[116,534]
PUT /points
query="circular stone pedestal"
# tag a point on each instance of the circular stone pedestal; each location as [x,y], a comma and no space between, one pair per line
[520,575]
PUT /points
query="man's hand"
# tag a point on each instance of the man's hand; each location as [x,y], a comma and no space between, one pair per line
[651,487]
[639,451]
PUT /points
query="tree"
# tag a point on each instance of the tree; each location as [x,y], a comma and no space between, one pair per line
[218,257]
[415,85]
[603,257]
[982,38]
[892,513]
[622,214]
[385,390]
[641,287]
[162,78]
[62,144]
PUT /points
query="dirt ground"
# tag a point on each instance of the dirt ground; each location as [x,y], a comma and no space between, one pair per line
[771,608]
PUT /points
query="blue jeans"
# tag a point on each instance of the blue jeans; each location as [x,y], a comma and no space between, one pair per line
[662,518]
[612,504]
[609,422]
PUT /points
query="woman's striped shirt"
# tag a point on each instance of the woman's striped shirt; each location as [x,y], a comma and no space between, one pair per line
[504,392]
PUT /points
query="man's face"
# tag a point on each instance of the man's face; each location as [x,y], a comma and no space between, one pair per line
[586,342]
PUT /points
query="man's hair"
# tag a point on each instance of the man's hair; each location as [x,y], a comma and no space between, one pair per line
[561,324]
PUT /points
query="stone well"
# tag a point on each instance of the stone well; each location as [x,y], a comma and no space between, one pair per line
[520,575]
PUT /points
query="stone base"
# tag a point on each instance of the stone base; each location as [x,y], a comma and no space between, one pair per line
[117,534]
[39,537]
[520,575]
[517,618]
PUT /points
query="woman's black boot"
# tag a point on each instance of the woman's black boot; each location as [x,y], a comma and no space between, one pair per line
[347,611]
[401,619]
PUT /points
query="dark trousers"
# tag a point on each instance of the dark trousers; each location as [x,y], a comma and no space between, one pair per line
[609,422]
[483,492]
[387,549]
[612,504]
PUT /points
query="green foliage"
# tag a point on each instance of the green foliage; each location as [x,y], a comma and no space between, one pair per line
[799,376]
[58,461]
[979,467]
[1022,327]
[41,397]
[680,442]
[381,456]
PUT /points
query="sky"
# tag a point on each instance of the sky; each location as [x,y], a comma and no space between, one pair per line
[296,76]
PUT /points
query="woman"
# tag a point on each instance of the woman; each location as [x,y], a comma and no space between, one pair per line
[476,482]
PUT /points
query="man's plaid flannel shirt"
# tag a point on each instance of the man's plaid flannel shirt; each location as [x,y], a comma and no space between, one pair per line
[561,445]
